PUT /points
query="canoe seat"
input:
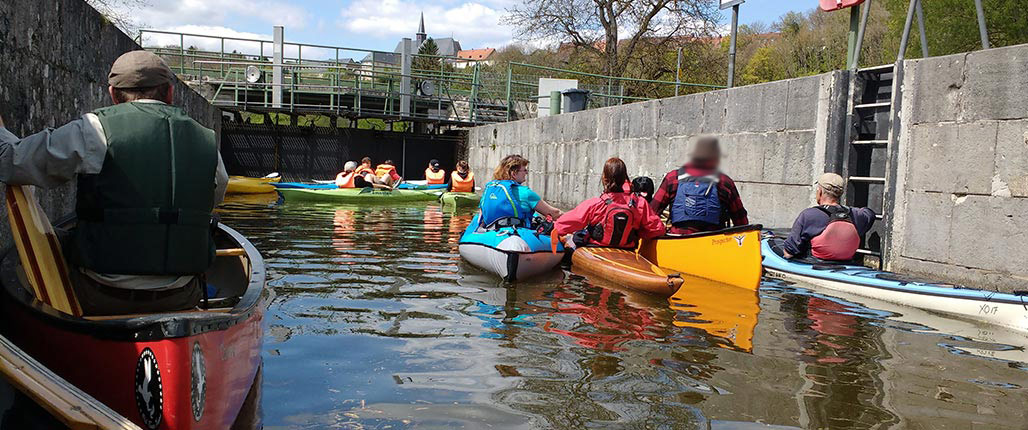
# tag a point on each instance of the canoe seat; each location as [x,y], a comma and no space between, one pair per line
[230,252]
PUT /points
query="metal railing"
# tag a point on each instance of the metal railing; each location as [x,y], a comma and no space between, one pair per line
[368,83]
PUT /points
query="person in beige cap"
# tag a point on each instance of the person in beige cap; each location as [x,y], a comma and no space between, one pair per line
[828,231]
[148,179]
[700,196]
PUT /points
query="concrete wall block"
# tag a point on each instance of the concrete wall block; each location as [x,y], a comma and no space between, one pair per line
[680,116]
[802,104]
[953,158]
[988,232]
[1011,160]
[933,88]
[634,120]
[714,103]
[996,81]
[584,125]
[929,223]
[789,158]
[744,155]
[757,108]
[774,206]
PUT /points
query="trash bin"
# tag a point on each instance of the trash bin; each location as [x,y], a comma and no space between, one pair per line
[574,100]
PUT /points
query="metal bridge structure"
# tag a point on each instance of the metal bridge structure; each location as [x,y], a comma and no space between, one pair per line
[264,76]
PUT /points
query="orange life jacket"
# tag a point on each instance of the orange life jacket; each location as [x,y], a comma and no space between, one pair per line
[345,180]
[462,185]
[435,177]
[364,170]
[382,169]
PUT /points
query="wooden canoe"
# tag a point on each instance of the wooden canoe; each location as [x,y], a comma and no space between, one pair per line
[626,268]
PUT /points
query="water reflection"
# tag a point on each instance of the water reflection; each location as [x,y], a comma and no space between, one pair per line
[378,323]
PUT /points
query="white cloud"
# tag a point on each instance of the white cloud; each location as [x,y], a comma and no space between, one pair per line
[252,46]
[164,14]
[475,24]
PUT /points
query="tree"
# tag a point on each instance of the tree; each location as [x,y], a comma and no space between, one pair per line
[597,26]
[764,66]
[951,26]
[427,59]
[120,12]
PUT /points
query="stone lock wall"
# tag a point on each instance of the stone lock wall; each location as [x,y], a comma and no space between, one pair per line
[960,156]
[962,170]
[54,60]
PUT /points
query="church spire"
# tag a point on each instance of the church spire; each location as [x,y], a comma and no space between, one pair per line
[421,32]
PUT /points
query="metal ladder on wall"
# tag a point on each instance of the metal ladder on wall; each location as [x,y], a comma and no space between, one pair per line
[869,150]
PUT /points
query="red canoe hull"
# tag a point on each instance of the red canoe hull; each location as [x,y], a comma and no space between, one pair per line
[107,368]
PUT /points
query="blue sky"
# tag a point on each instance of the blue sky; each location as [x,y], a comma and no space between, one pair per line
[368,24]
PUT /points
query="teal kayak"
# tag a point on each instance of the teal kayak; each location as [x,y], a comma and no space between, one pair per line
[356,195]
[460,200]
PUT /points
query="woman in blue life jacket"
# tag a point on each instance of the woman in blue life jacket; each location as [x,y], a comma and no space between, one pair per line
[506,202]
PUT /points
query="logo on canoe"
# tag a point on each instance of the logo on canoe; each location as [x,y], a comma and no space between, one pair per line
[740,238]
[149,393]
[198,378]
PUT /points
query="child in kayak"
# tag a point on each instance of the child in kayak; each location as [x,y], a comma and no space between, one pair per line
[461,180]
[616,218]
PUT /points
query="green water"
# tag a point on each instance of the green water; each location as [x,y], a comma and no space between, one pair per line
[377,323]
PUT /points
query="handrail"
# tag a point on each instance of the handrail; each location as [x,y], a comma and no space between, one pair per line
[616,78]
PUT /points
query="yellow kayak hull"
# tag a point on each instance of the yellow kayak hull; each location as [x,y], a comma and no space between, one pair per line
[730,256]
[246,185]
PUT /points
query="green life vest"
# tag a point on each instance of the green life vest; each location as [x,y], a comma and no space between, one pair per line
[148,211]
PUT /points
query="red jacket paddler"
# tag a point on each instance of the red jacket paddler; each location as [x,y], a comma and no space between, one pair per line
[613,219]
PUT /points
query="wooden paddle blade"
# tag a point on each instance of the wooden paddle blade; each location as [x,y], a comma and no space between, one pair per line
[40,251]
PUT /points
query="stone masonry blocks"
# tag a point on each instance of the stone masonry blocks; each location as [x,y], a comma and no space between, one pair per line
[986,230]
[929,221]
[757,108]
[996,81]
[802,103]
[932,88]
[953,157]
[1011,159]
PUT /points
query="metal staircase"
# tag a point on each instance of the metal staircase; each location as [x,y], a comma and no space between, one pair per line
[869,153]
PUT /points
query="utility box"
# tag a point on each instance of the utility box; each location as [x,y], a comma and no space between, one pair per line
[575,99]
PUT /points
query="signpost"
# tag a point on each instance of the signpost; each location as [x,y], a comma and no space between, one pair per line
[734,4]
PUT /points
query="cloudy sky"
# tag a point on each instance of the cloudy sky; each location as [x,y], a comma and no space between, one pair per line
[367,24]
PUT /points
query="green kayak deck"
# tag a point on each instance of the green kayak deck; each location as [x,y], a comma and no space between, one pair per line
[460,200]
[357,195]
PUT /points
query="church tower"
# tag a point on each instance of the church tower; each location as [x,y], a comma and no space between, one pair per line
[421,36]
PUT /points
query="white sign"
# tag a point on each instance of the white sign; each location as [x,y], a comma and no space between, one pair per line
[725,4]
[549,84]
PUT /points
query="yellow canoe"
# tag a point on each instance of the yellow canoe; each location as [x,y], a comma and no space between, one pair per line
[730,256]
[247,185]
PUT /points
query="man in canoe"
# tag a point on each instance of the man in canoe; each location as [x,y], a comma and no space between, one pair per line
[506,201]
[828,231]
[149,177]
[701,197]
[461,180]
[434,173]
[616,218]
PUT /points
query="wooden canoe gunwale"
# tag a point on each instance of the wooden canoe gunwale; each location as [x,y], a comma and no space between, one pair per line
[143,328]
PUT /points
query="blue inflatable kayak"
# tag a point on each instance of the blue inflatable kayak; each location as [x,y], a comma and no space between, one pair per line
[1003,309]
[410,186]
[512,253]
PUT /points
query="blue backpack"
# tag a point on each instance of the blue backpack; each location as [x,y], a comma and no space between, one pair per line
[499,203]
[697,199]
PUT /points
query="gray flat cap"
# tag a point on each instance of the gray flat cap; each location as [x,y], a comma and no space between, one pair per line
[139,69]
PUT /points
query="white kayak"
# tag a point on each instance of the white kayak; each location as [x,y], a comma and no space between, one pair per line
[513,254]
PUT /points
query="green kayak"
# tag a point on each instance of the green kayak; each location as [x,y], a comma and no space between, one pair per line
[356,195]
[460,200]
